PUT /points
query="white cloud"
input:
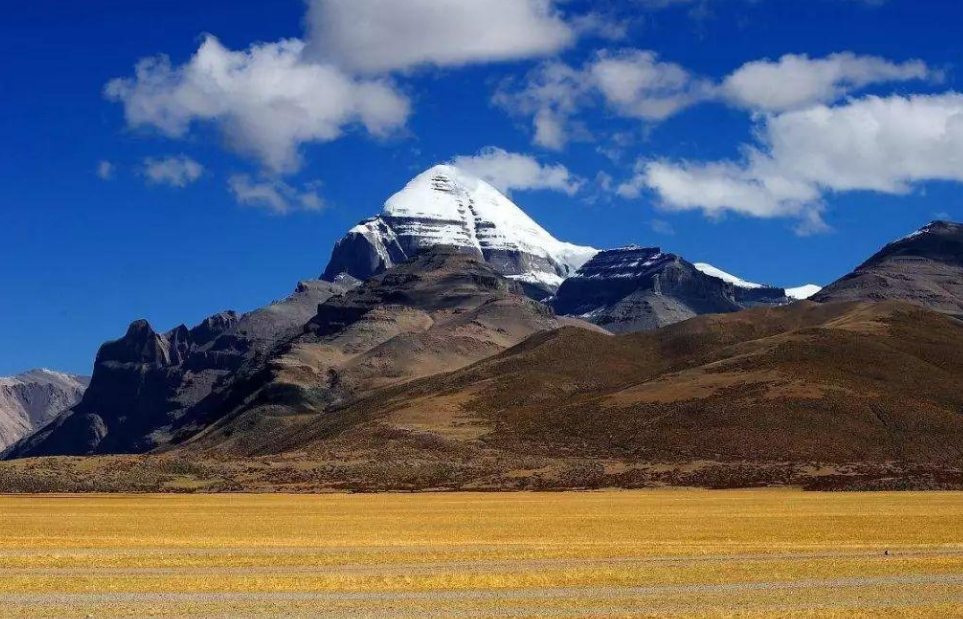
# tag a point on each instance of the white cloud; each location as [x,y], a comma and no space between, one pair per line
[661,226]
[797,81]
[179,171]
[885,145]
[551,94]
[105,170]
[634,83]
[267,100]
[665,4]
[600,25]
[275,195]
[638,85]
[384,35]
[513,171]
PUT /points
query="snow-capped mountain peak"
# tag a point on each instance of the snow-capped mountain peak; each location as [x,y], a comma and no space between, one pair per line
[448,206]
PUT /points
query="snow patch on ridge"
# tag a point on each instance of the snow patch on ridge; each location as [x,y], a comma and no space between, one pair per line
[798,293]
[801,293]
[712,271]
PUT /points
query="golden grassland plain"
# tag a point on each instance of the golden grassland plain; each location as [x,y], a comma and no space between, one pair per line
[674,553]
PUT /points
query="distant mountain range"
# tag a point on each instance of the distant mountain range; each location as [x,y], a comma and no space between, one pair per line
[33,399]
[452,331]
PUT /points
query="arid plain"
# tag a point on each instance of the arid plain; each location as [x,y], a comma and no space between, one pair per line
[679,553]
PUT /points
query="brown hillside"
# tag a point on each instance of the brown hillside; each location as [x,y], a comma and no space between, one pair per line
[822,383]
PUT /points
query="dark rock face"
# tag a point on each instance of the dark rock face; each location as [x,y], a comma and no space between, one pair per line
[642,288]
[146,383]
[925,268]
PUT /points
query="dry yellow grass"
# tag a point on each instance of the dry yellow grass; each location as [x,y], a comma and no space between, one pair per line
[606,554]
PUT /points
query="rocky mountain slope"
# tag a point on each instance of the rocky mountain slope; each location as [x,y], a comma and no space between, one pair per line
[642,288]
[925,268]
[146,383]
[448,206]
[439,311]
[31,400]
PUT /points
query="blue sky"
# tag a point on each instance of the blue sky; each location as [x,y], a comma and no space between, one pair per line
[220,179]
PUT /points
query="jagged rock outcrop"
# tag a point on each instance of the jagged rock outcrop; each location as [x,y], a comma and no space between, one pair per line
[642,288]
[447,206]
[146,383]
[925,268]
[30,400]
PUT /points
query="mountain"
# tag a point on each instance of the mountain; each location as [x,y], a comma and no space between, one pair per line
[642,288]
[925,268]
[448,206]
[841,395]
[798,388]
[147,383]
[797,293]
[441,310]
[30,400]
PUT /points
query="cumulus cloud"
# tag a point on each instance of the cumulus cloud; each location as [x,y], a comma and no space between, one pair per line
[796,81]
[666,4]
[105,170]
[384,35]
[638,85]
[513,171]
[275,195]
[271,99]
[552,93]
[633,83]
[267,100]
[179,171]
[881,144]
[600,25]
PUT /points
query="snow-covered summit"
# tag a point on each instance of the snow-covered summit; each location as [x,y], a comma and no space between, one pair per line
[483,216]
[448,206]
